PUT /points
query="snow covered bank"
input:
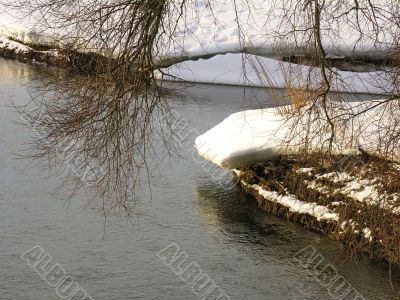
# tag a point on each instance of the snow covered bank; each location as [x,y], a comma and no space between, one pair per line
[254,136]
[358,206]
[292,203]
[214,31]
[13,49]
[253,70]
[245,70]
[361,190]
[11,27]
[243,138]
[8,45]
[213,27]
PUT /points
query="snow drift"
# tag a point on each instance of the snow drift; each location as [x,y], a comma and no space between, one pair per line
[253,70]
[254,136]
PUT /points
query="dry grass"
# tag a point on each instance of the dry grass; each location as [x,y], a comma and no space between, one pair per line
[283,176]
[299,97]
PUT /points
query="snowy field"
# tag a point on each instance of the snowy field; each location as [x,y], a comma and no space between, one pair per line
[214,30]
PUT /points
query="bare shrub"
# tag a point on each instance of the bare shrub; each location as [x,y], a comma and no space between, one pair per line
[107,104]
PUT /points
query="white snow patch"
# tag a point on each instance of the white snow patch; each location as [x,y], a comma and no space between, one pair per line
[243,138]
[8,44]
[307,171]
[252,70]
[290,201]
[261,30]
[362,190]
[367,234]
[215,30]
[254,136]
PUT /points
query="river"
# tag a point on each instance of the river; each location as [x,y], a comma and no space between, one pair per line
[247,253]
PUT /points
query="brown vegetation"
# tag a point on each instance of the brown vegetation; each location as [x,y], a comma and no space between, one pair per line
[312,186]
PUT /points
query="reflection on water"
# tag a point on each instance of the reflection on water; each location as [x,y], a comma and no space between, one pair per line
[246,252]
[235,211]
[8,71]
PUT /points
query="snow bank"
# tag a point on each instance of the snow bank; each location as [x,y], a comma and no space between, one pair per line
[253,70]
[243,138]
[7,44]
[212,28]
[254,136]
[215,31]
[293,204]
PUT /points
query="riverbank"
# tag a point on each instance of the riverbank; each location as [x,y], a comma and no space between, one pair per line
[352,199]
[350,193]
[32,53]
[229,67]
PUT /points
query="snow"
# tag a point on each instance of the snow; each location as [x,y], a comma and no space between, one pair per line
[17,47]
[252,70]
[361,190]
[24,30]
[367,233]
[295,205]
[305,170]
[216,32]
[254,136]
[212,28]
[243,138]
[320,212]
[290,201]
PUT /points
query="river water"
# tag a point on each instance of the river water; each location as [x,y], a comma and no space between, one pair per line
[249,254]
